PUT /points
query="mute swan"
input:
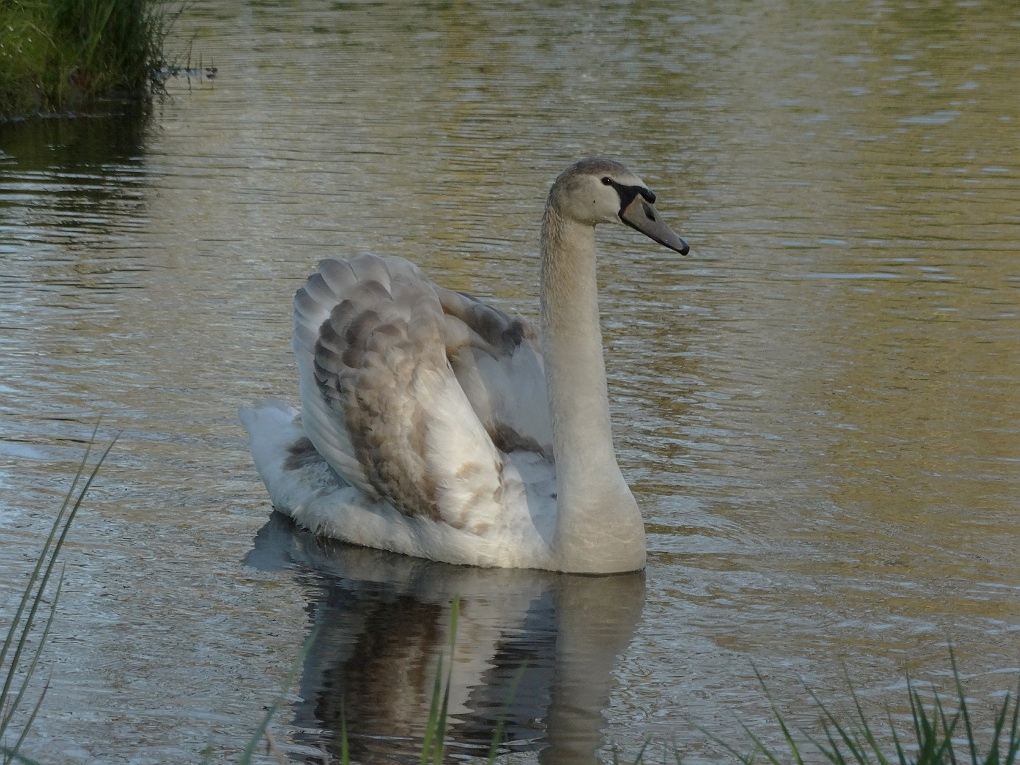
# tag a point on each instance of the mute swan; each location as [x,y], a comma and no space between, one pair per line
[437,426]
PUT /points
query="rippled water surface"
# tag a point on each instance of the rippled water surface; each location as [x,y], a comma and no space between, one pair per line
[819,410]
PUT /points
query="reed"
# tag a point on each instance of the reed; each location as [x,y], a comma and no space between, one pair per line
[433,748]
[936,735]
[18,657]
[69,55]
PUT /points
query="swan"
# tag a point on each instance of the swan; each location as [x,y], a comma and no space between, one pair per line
[437,426]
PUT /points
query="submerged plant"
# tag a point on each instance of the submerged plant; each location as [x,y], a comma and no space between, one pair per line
[17,670]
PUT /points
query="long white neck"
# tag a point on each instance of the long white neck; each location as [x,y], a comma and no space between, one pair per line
[598,526]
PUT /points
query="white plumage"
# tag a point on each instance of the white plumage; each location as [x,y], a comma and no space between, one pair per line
[437,426]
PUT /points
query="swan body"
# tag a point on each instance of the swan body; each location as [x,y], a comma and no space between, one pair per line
[437,426]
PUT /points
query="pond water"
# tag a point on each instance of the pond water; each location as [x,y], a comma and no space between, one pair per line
[818,410]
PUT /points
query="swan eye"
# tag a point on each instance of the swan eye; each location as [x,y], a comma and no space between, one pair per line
[607,181]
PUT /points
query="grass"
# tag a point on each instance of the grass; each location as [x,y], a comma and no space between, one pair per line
[18,667]
[934,735]
[433,740]
[66,55]
[262,731]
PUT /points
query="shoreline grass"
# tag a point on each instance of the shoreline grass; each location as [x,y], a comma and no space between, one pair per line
[935,734]
[61,56]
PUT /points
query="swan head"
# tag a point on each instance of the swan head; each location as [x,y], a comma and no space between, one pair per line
[595,191]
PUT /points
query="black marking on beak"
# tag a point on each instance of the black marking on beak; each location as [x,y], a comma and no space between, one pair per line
[641,216]
[628,193]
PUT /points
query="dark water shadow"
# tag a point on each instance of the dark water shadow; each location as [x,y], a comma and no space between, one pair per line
[535,649]
[74,195]
[70,143]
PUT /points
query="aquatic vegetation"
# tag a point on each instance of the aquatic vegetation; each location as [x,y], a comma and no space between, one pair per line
[17,668]
[262,730]
[934,734]
[433,751]
[63,55]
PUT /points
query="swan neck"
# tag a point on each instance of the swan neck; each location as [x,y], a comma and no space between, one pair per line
[598,522]
[572,339]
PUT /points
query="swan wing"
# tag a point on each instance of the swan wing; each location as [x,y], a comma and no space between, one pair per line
[381,402]
[497,359]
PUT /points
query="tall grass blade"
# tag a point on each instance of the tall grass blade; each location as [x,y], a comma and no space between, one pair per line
[746,759]
[900,753]
[435,728]
[256,737]
[273,748]
[964,712]
[497,734]
[864,728]
[57,546]
[641,751]
[782,725]
[16,703]
[933,728]
[1008,756]
[28,723]
[849,740]
[20,630]
[433,719]
[941,748]
[26,596]
[97,27]
[441,733]
[1013,750]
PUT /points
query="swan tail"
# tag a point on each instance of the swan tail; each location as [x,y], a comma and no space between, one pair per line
[294,473]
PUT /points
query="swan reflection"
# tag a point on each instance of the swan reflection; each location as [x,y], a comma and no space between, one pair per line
[534,649]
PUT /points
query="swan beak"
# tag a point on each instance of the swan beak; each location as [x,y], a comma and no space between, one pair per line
[640,214]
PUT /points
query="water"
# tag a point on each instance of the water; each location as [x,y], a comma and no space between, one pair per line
[818,410]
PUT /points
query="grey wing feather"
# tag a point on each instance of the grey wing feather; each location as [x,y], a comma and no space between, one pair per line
[313,305]
[407,388]
[498,361]
[369,335]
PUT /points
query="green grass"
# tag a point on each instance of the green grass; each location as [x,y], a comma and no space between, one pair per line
[58,56]
[934,735]
[18,656]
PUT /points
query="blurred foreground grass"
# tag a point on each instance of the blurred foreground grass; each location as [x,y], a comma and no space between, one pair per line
[936,734]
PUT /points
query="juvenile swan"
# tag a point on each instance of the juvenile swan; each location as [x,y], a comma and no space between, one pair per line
[437,426]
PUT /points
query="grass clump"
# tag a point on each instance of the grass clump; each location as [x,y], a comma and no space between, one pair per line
[18,656]
[936,735]
[64,55]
